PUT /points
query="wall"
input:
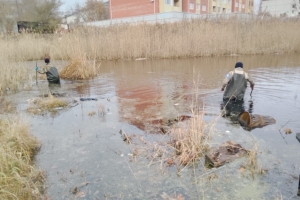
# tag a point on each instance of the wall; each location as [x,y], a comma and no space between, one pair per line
[204,3]
[167,17]
[129,8]
[220,6]
[280,8]
[173,6]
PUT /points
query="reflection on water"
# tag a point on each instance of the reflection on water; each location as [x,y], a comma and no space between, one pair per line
[79,148]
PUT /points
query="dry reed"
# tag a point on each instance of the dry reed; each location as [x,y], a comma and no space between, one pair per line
[13,76]
[48,104]
[191,141]
[79,67]
[19,179]
[170,40]
[6,106]
[194,38]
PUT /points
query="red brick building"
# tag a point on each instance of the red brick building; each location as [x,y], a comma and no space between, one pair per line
[131,8]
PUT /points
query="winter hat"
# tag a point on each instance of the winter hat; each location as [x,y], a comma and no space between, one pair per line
[239,64]
[47,59]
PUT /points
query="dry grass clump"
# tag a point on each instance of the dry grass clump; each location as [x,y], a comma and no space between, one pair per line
[48,104]
[252,164]
[80,67]
[19,179]
[252,158]
[191,140]
[92,113]
[6,106]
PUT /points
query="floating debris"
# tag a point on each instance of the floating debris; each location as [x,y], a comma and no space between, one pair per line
[53,94]
[140,59]
[227,152]
[288,131]
[250,121]
[88,99]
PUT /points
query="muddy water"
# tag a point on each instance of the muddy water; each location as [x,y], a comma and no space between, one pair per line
[79,148]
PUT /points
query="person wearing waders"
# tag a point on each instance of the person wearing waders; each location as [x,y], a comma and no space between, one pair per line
[50,71]
[235,84]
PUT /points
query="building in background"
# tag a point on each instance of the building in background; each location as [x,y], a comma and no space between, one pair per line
[220,6]
[242,6]
[277,8]
[131,8]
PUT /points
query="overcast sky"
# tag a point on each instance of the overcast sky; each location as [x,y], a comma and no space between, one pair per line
[68,4]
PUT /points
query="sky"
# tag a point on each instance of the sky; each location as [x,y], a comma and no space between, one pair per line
[68,4]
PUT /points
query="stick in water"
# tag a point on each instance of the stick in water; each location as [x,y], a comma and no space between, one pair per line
[299,187]
[36,68]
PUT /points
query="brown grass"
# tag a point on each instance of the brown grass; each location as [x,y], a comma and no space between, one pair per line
[6,106]
[171,40]
[80,68]
[191,140]
[48,104]
[92,113]
[19,179]
[252,158]
[13,76]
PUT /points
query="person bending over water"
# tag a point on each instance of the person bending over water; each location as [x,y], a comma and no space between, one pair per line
[50,71]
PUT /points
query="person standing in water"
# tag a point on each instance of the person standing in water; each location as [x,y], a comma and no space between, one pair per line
[50,71]
[235,84]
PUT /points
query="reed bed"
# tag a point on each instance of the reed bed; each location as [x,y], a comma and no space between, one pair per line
[80,68]
[13,76]
[19,179]
[193,38]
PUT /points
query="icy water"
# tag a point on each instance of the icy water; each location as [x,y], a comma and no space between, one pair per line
[87,151]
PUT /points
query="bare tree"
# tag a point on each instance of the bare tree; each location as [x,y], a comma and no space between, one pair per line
[95,10]
[7,16]
[44,12]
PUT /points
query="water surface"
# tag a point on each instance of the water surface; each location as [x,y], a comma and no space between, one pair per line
[78,148]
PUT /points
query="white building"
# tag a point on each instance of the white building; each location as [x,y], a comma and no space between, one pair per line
[281,8]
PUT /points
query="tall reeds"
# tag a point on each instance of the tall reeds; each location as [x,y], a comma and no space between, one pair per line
[170,40]
[80,68]
[19,179]
[191,140]
[13,75]
[194,38]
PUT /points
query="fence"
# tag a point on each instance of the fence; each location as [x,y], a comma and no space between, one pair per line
[168,17]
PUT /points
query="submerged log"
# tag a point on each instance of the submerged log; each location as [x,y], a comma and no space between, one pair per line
[227,152]
[88,99]
[298,136]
